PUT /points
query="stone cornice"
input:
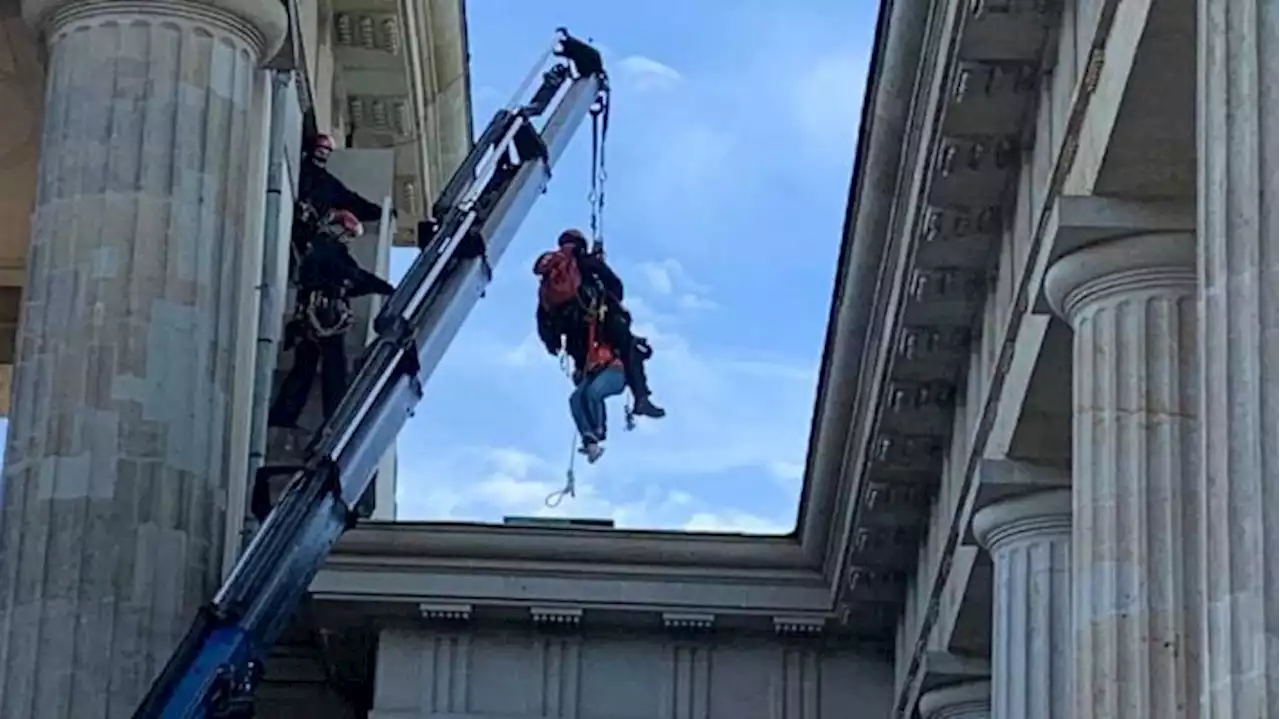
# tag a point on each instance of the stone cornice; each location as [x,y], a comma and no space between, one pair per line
[616,570]
[853,327]
[617,587]
[430,540]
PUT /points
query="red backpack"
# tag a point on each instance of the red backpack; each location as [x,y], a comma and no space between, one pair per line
[560,279]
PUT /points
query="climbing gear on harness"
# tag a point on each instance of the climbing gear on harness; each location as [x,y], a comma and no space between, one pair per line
[599,355]
[327,314]
[342,224]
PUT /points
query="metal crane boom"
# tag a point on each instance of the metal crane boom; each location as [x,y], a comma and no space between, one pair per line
[217,666]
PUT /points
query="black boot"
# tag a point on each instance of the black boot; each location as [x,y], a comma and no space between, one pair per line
[644,407]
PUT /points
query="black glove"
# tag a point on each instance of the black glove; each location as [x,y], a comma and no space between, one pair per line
[643,349]
[293,331]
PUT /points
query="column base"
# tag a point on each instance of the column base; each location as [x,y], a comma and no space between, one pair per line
[971,700]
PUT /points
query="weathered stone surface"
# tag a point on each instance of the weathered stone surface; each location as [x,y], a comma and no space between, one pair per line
[1138,533]
[112,518]
[1237,258]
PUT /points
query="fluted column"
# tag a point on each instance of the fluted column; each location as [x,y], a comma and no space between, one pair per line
[1029,538]
[1237,219]
[115,464]
[971,700]
[1136,537]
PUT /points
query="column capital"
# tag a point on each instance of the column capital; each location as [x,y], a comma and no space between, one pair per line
[971,700]
[1159,262]
[1024,517]
[261,24]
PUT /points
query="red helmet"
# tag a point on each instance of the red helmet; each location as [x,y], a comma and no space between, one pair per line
[573,237]
[343,223]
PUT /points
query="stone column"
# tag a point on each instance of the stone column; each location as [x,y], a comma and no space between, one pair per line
[971,700]
[1137,533]
[1029,538]
[1237,219]
[111,523]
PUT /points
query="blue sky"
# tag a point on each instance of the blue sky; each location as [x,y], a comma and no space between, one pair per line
[729,156]
[729,153]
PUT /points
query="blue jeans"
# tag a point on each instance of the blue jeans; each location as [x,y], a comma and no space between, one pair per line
[586,403]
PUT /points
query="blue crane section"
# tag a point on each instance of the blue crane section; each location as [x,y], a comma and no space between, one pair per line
[216,667]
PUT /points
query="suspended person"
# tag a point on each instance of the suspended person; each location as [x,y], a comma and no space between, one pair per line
[598,375]
[328,278]
[319,192]
[572,280]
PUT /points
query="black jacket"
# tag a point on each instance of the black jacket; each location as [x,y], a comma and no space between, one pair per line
[329,267]
[593,268]
[325,192]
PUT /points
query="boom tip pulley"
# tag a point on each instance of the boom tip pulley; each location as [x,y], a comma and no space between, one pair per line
[586,60]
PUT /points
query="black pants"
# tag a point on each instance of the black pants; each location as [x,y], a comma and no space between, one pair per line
[616,332]
[308,356]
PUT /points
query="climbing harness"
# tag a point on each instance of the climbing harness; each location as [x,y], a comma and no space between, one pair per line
[328,314]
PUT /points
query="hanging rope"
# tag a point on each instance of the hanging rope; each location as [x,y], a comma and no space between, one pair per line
[595,198]
[554,499]
[599,133]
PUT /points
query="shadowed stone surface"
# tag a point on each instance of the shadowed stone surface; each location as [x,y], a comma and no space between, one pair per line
[971,700]
[1029,538]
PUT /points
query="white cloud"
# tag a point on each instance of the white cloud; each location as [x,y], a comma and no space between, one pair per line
[659,277]
[736,522]
[514,482]
[668,279]
[530,351]
[690,301]
[726,415]
[492,481]
[787,471]
[644,74]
